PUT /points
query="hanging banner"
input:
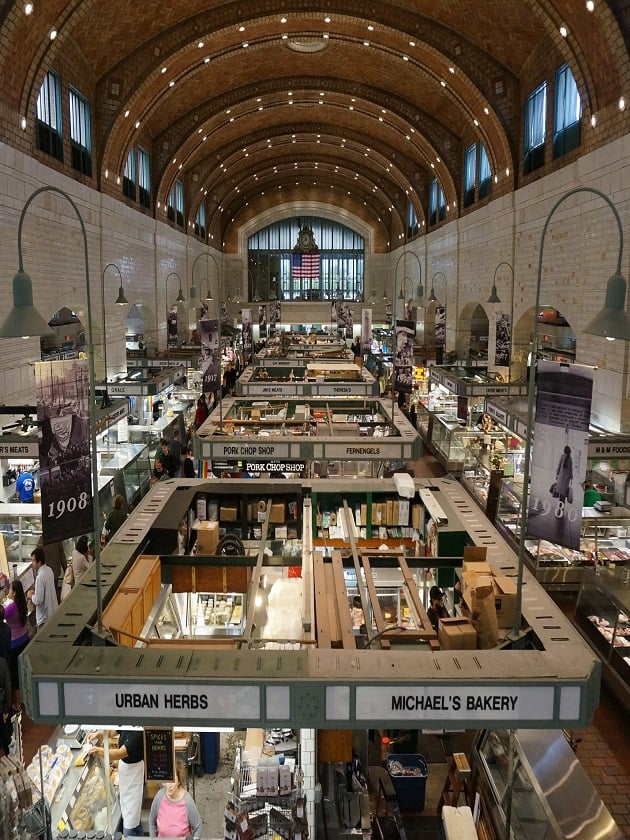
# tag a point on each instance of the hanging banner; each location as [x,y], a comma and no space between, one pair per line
[62,389]
[246,326]
[403,361]
[262,320]
[210,354]
[558,467]
[171,327]
[440,326]
[366,331]
[341,313]
[503,340]
[275,315]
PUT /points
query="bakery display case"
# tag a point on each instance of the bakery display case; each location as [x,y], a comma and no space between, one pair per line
[603,615]
[550,796]
[197,615]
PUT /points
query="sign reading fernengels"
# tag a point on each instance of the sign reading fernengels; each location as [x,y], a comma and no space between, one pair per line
[510,702]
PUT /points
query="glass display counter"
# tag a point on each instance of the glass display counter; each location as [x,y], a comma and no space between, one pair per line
[198,615]
[603,615]
[604,540]
[547,785]
[128,466]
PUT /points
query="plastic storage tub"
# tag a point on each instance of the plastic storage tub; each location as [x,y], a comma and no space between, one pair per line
[411,784]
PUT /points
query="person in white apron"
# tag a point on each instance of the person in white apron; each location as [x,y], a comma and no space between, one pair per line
[130,755]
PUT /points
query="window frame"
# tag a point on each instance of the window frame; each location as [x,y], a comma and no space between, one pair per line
[567,135]
[175,209]
[81,146]
[49,116]
[534,146]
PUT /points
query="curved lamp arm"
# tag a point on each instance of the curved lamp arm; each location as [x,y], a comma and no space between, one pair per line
[614,309]
[432,296]
[22,290]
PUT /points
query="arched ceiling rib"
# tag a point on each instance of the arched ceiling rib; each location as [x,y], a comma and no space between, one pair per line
[413,81]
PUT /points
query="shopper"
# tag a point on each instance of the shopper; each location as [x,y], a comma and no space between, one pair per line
[16,616]
[201,412]
[159,472]
[25,487]
[173,810]
[168,461]
[56,560]
[436,610]
[116,517]
[5,638]
[189,465]
[80,560]
[130,756]
[175,449]
[44,594]
[6,730]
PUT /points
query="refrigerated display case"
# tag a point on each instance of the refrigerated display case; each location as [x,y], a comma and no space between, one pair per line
[552,797]
[603,615]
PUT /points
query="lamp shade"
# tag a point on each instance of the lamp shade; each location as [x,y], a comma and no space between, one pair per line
[494,297]
[23,320]
[432,296]
[612,320]
[420,301]
[180,297]
[121,300]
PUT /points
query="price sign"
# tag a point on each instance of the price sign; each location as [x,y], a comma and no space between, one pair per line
[159,755]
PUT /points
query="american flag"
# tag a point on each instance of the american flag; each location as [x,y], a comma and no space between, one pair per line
[305,266]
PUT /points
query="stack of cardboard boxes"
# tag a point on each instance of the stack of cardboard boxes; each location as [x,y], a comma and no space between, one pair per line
[460,633]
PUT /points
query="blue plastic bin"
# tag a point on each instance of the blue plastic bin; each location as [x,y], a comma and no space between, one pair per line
[210,746]
[410,790]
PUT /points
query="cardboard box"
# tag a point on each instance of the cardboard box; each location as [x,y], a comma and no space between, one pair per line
[505,600]
[277,512]
[228,513]
[457,634]
[504,594]
[475,553]
[476,567]
[207,537]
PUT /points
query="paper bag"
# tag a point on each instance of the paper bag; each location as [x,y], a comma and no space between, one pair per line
[484,616]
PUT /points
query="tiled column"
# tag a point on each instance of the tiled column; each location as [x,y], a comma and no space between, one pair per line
[308,750]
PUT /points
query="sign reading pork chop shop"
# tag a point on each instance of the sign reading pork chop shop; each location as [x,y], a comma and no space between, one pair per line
[513,703]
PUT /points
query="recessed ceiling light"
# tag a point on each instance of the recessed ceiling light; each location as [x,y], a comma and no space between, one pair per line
[366,43]
[53,34]
[622,103]
[370,27]
[241,29]
[174,160]
[412,43]
[326,35]
[593,121]
[564,31]
[163,69]
[507,172]
[28,8]
[126,113]
[451,69]
[137,123]
[326,20]
[476,121]
[442,82]
[590,5]
[23,124]
[245,45]
[285,37]
[118,179]
[200,44]
[171,83]
[283,20]
[405,58]
[206,60]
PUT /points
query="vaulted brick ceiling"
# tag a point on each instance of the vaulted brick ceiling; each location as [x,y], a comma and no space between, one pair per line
[357,106]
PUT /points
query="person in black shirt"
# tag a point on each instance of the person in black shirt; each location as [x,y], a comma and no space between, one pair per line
[189,465]
[436,610]
[130,755]
[168,461]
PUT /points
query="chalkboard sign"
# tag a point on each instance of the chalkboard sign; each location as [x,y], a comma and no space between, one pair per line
[159,755]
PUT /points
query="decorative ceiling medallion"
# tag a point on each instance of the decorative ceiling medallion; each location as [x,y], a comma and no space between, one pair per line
[306,45]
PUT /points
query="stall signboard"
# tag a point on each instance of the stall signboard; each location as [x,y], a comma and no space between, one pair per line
[515,702]
[159,755]
[22,450]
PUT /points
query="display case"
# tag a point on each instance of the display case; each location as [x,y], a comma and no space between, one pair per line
[603,541]
[603,615]
[551,795]
[197,615]
[21,528]
[130,470]
[456,444]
